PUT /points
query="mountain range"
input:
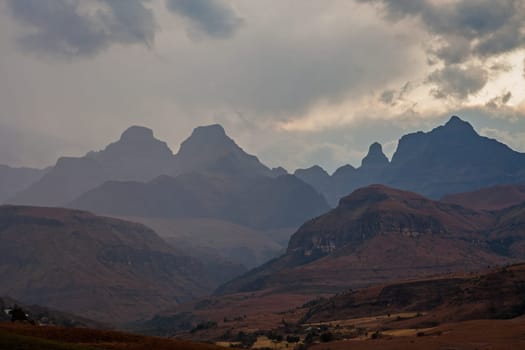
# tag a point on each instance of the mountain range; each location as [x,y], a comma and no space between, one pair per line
[448,159]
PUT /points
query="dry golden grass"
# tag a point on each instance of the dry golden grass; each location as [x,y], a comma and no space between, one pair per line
[266,343]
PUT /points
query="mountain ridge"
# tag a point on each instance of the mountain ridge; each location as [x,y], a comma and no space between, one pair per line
[378,233]
[450,158]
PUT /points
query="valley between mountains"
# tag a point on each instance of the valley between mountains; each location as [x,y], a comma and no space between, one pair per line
[209,244]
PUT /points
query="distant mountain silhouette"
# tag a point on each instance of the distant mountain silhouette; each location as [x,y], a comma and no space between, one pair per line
[13,180]
[101,268]
[347,178]
[375,159]
[257,202]
[210,149]
[380,234]
[137,155]
[317,177]
[453,158]
[449,159]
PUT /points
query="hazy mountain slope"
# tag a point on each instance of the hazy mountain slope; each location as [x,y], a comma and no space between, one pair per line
[378,234]
[13,180]
[101,268]
[315,176]
[209,149]
[257,202]
[215,238]
[137,155]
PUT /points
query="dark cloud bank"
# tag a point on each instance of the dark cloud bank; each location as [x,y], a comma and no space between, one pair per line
[466,33]
[86,27]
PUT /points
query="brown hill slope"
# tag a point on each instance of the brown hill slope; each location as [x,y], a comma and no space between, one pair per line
[45,316]
[496,294]
[433,306]
[490,198]
[18,336]
[201,237]
[101,268]
[380,234]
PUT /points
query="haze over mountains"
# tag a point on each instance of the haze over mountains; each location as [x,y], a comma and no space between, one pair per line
[449,159]
[13,180]
[210,177]
[217,211]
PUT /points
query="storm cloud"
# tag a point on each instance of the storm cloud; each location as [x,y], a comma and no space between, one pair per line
[213,18]
[462,31]
[295,82]
[80,28]
[457,81]
[465,28]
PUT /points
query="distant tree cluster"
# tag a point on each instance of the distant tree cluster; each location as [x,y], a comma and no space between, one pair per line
[19,315]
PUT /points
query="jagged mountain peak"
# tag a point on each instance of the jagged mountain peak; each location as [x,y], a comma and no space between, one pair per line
[208,138]
[458,123]
[209,148]
[456,127]
[209,131]
[135,141]
[344,170]
[375,157]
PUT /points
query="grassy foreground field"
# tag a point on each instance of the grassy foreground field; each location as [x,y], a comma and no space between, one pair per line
[468,335]
[26,337]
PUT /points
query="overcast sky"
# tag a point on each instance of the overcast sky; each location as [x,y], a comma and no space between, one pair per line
[296,82]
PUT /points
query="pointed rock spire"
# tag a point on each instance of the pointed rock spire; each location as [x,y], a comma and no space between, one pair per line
[375,157]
